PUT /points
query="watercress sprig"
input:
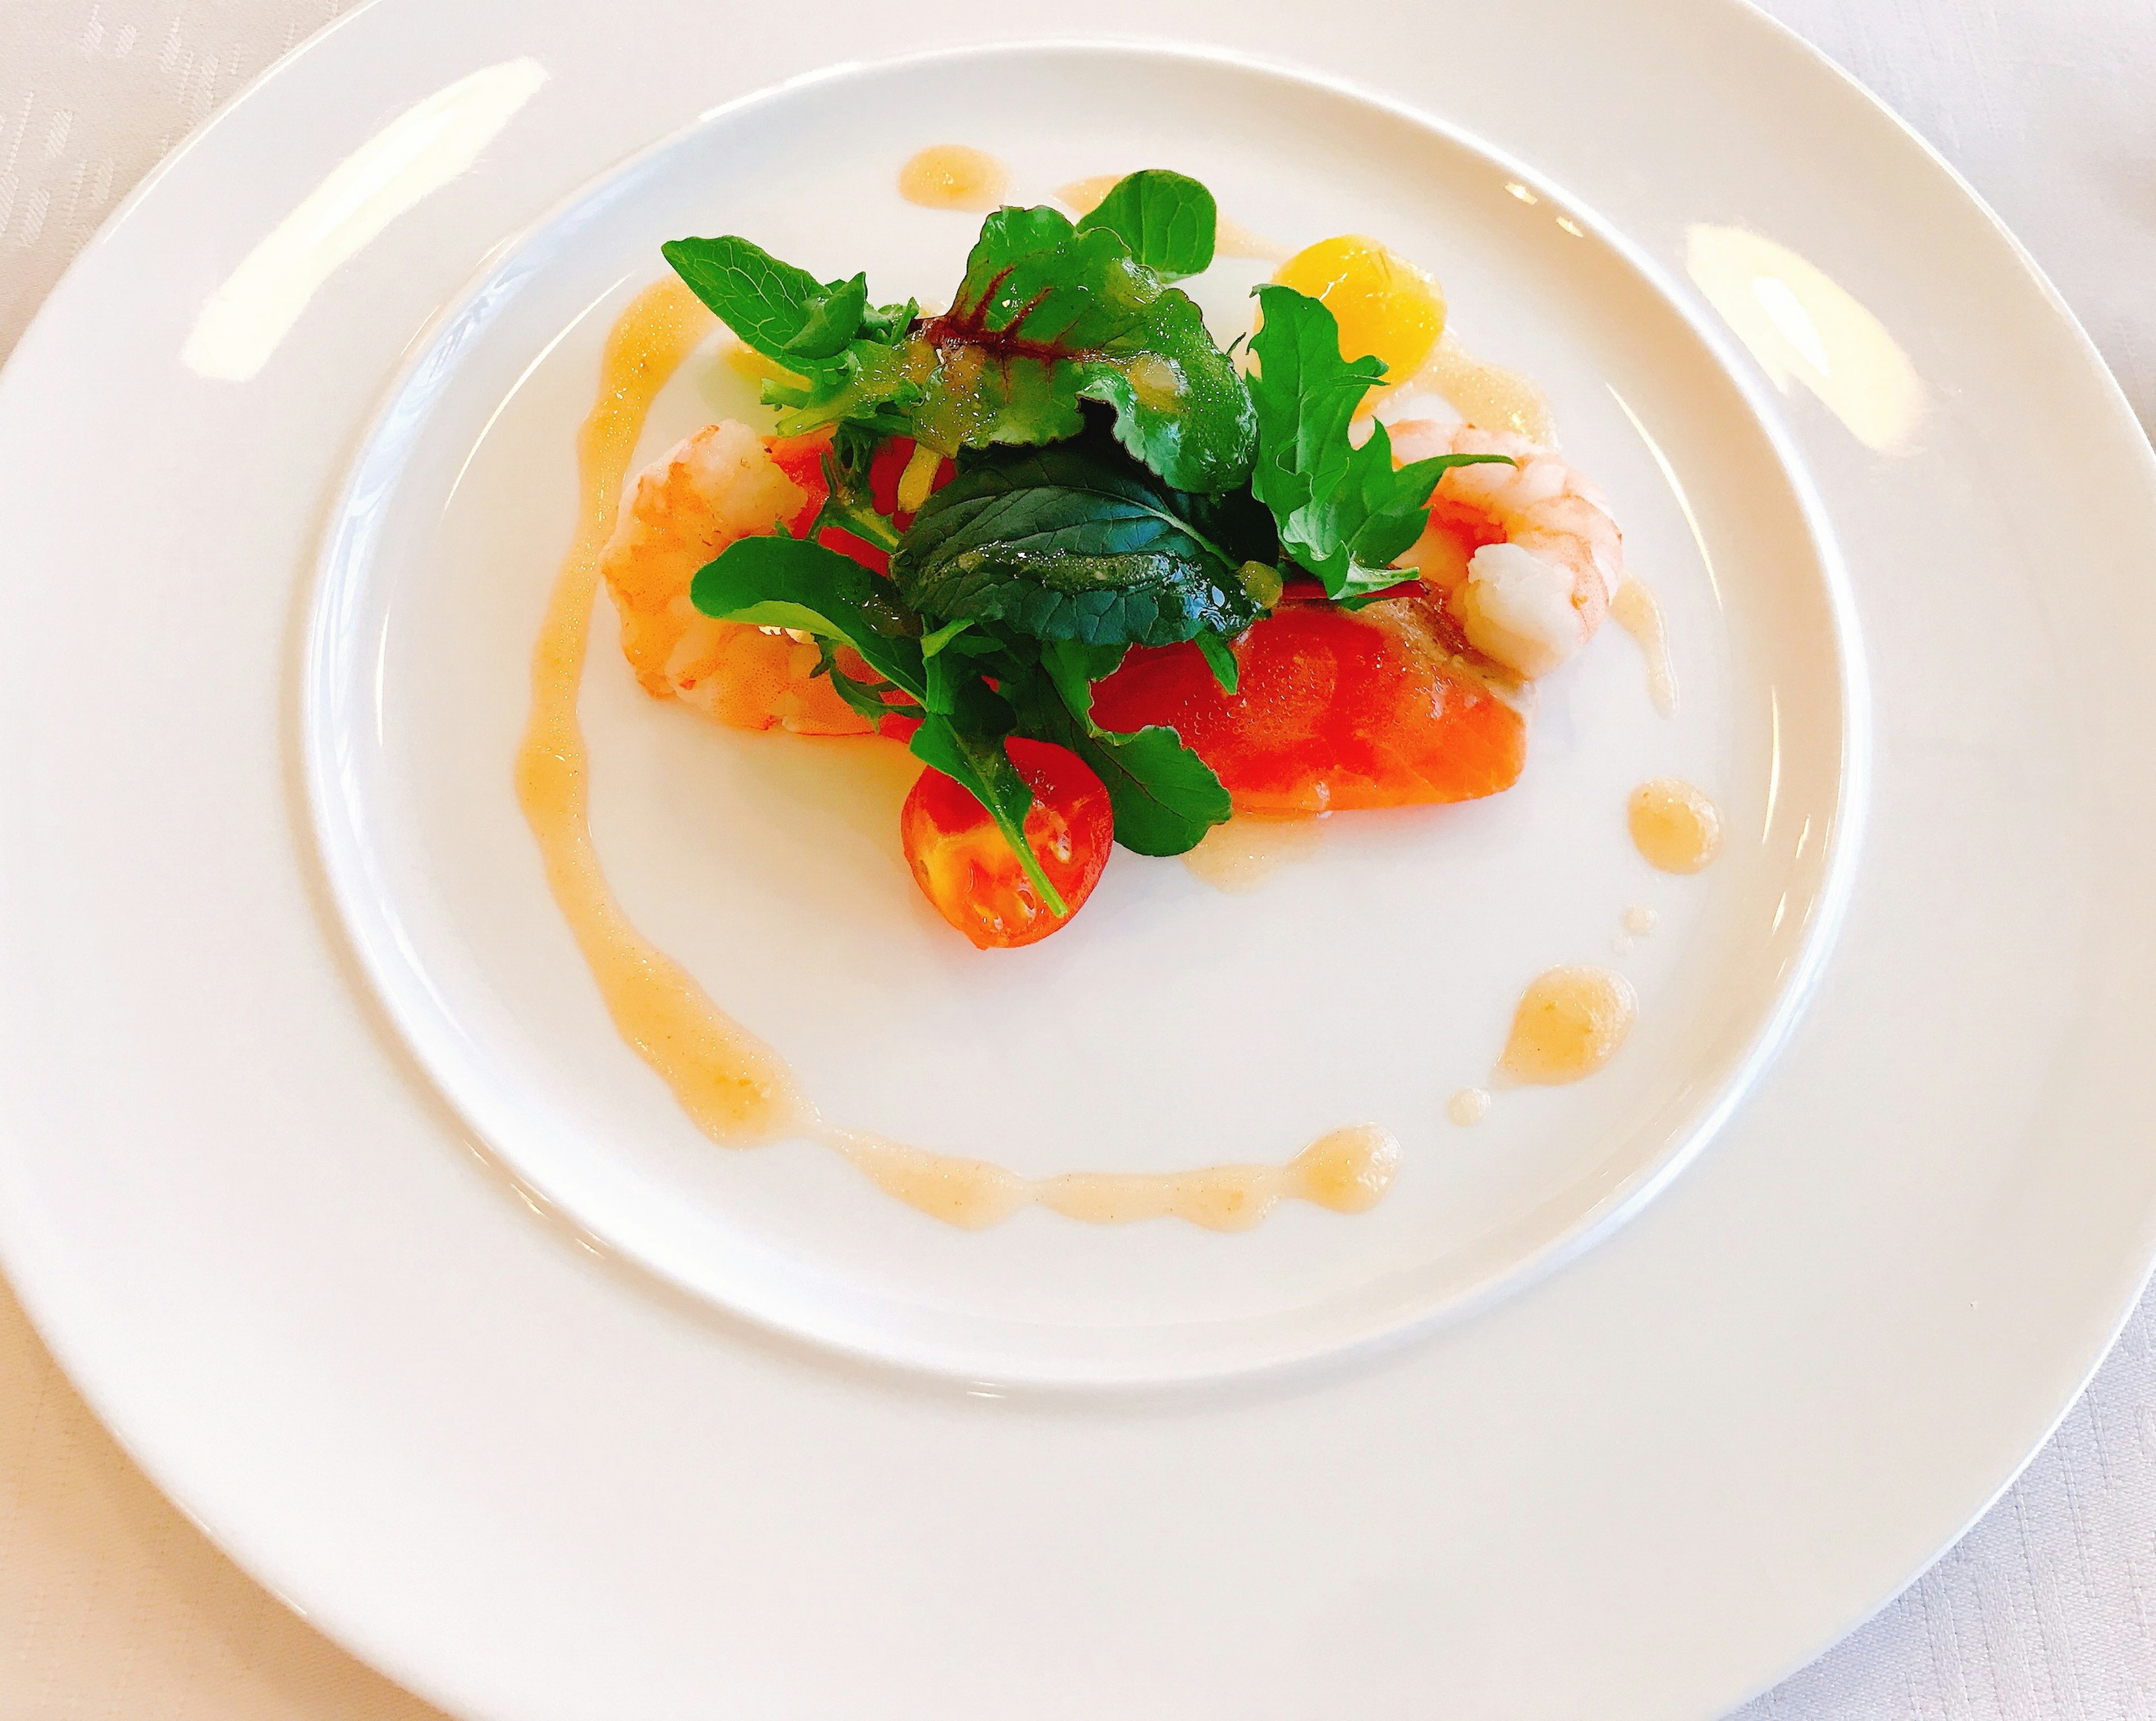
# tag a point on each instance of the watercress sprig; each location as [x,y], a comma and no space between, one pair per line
[1345,513]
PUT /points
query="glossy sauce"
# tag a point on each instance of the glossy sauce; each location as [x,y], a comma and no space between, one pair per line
[1242,854]
[1639,612]
[1640,920]
[949,176]
[1468,1108]
[736,1089]
[1675,825]
[1488,396]
[1570,1024]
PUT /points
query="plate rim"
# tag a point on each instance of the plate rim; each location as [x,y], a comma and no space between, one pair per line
[79,1364]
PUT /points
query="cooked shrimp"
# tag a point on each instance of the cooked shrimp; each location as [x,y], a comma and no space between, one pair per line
[1526,558]
[707,490]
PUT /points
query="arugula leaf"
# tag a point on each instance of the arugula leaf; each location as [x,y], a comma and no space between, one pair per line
[848,499]
[1344,513]
[866,699]
[1168,221]
[982,763]
[1069,542]
[1165,797]
[1220,657]
[796,583]
[1048,316]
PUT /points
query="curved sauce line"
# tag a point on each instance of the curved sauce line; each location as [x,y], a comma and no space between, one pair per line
[736,1089]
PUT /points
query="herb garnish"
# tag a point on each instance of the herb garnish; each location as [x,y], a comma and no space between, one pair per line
[1346,514]
[1120,485]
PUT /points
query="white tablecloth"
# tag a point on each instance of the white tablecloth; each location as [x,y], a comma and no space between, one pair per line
[112,1605]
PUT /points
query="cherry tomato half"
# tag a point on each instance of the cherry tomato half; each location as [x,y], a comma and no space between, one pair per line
[966,868]
[1333,709]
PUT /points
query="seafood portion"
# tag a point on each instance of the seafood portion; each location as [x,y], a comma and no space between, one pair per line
[1526,557]
[1112,583]
[709,490]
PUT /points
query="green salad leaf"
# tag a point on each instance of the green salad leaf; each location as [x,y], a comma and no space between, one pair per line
[1345,513]
[1168,221]
[1071,541]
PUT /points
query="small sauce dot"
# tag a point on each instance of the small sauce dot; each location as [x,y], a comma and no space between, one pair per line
[1639,920]
[1570,1024]
[1468,1108]
[1675,825]
[949,176]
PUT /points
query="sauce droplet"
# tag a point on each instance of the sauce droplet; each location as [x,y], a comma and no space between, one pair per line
[1242,854]
[1570,1022]
[1639,920]
[949,176]
[1639,612]
[1386,307]
[1468,1108]
[1675,825]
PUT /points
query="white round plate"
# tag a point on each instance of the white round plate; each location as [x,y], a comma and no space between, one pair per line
[326,1177]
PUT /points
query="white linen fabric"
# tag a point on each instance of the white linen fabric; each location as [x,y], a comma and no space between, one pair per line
[113,1605]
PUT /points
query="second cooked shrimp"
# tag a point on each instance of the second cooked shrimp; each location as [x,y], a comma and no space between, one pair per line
[1526,558]
[709,490]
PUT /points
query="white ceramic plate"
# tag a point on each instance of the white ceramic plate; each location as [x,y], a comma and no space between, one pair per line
[276,947]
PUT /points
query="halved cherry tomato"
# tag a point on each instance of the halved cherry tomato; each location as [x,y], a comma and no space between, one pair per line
[972,875]
[1334,709]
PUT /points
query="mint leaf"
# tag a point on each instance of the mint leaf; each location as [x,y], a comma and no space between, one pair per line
[1165,797]
[1344,513]
[1168,221]
[1048,316]
[1069,542]
[981,765]
[795,582]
